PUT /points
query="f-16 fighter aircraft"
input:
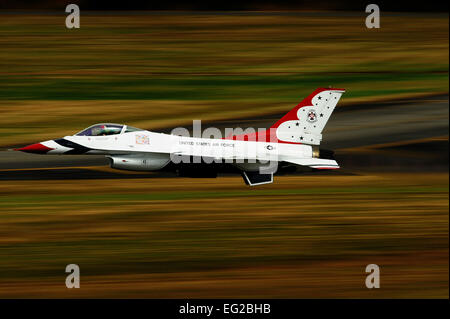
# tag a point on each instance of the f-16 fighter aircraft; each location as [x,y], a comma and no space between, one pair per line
[292,141]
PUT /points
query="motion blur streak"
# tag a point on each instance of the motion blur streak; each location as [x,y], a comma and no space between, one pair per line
[144,235]
[155,238]
[161,71]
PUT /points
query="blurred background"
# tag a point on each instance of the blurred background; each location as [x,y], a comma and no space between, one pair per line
[162,65]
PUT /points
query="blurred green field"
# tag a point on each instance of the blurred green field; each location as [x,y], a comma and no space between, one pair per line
[303,237]
[165,70]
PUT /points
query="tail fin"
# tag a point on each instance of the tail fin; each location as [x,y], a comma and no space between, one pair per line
[305,122]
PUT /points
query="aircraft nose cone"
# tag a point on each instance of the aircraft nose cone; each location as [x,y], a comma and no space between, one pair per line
[37,148]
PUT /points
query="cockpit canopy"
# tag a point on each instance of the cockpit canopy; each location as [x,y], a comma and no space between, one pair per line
[107,129]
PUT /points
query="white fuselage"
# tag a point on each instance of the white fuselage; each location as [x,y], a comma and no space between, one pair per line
[150,142]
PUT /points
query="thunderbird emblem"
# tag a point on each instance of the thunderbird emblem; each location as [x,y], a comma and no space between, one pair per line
[312,117]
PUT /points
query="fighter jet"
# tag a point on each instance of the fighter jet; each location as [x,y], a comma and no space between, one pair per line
[291,142]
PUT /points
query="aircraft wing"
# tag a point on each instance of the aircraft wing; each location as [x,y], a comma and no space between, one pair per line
[318,163]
